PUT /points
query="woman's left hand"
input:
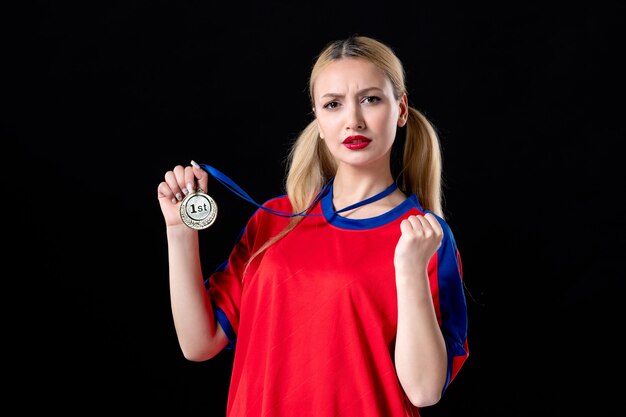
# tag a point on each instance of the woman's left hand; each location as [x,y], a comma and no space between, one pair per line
[420,239]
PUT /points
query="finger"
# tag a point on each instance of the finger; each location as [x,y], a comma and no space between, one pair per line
[416,224]
[165,191]
[434,223]
[179,171]
[172,180]
[201,175]
[406,227]
[190,179]
[426,227]
[423,227]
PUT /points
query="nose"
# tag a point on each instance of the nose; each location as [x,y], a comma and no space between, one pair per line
[354,118]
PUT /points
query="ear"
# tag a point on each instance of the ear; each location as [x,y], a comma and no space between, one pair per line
[404,110]
[319,129]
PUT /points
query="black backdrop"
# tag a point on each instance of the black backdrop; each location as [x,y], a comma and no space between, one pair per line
[103,98]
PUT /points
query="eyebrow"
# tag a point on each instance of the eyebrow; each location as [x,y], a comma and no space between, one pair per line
[360,92]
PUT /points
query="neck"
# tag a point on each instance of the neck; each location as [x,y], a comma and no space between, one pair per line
[352,184]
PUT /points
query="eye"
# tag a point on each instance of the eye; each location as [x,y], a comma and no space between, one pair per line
[331,105]
[370,99]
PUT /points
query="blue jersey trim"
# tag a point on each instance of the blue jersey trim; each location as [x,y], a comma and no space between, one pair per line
[228,329]
[451,297]
[364,224]
[449,371]
[451,292]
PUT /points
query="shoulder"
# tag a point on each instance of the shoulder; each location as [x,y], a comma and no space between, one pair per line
[448,236]
[279,204]
[264,220]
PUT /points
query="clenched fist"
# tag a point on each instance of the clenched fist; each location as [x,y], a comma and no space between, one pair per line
[420,239]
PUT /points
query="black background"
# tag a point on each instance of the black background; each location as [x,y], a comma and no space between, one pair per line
[103,97]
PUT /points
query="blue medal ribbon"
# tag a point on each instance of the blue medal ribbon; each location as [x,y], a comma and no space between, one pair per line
[237,190]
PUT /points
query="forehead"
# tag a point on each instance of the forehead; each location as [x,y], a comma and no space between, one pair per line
[348,74]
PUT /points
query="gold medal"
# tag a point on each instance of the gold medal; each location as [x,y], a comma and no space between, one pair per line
[198,210]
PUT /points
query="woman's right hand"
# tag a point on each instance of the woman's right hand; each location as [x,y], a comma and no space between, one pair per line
[177,183]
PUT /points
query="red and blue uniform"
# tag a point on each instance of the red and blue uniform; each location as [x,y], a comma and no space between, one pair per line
[313,321]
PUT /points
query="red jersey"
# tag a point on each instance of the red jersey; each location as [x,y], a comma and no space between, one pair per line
[313,321]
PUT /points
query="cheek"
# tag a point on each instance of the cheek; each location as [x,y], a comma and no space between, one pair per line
[326,127]
[384,123]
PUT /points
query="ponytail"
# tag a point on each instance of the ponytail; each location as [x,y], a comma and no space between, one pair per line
[421,172]
[311,166]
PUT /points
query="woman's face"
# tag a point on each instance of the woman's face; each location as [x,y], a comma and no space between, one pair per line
[356,111]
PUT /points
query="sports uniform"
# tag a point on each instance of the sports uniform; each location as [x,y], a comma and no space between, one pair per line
[313,321]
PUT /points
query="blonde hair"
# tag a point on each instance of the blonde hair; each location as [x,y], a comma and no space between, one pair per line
[311,165]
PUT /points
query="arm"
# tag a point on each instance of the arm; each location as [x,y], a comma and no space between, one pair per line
[420,352]
[198,335]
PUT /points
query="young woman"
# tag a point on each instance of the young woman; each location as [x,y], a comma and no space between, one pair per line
[357,312]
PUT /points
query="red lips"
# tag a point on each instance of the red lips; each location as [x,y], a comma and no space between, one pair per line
[356,142]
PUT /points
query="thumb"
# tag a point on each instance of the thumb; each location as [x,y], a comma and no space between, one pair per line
[201,175]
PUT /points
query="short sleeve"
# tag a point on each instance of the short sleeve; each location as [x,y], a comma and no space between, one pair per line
[446,280]
[224,285]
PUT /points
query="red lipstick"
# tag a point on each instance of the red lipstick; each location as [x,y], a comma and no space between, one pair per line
[356,142]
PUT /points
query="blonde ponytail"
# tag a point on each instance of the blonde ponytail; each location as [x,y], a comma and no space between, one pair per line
[421,172]
[311,166]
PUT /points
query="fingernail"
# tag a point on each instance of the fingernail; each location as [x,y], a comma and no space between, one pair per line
[190,187]
[185,191]
[174,201]
[195,164]
[179,197]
